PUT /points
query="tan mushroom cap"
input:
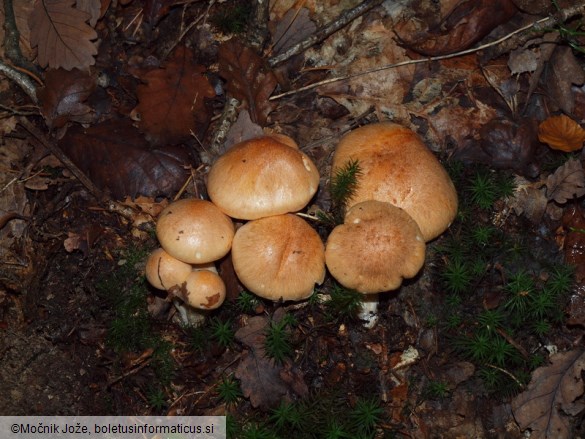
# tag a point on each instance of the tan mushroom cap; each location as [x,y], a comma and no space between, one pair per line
[279,257]
[163,271]
[377,247]
[262,177]
[194,231]
[398,168]
[202,289]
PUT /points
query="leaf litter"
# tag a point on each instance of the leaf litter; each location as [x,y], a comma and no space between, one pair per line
[478,109]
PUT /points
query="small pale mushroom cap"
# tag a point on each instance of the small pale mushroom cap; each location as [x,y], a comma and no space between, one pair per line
[398,168]
[194,231]
[202,289]
[262,177]
[376,247]
[163,271]
[279,257]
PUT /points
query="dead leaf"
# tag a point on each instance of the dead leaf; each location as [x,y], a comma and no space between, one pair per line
[295,26]
[561,133]
[116,158]
[62,36]
[262,380]
[567,182]
[467,24]
[564,72]
[172,103]
[91,7]
[552,393]
[248,78]
[243,129]
[529,200]
[63,96]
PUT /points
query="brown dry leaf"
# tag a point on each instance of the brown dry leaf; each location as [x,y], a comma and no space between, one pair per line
[248,78]
[243,129]
[91,7]
[115,157]
[62,36]
[22,10]
[552,393]
[467,24]
[567,182]
[172,103]
[564,72]
[561,133]
[63,96]
[295,26]
[529,200]
[262,380]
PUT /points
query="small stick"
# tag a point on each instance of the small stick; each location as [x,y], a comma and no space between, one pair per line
[57,152]
[344,19]
[536,25]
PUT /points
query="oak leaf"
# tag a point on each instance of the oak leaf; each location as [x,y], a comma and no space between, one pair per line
[567,182]
[62,36]
[172,102]
[553,392]
[561,133]
[248,79]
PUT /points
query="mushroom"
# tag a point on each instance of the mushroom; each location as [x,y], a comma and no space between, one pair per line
[163,271]
[398,168]
[202,289]
[194,231]
[376,247]
[262,177]
[279,257]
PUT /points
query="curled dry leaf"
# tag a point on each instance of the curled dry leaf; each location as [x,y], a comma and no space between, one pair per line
[467,24]
[553,392]
[562,133]
[567,182]
[248,78]
[63,37]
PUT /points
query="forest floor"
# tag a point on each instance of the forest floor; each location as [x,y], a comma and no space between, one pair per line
[485,342]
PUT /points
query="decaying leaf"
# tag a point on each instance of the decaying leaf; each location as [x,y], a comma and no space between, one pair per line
[172,103]
[63,97]
[262,380]
[92,7]
[116,158]
[564,72]
[295,26]
[562,133]
[248,78]
[62,36]
[552,393]
[467,24]
[567,182]
[529,200]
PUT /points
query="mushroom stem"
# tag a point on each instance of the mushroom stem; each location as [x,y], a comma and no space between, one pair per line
[369,311]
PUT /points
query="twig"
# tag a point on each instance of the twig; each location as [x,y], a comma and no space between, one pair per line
[23,81]
[344,19]
[57,152]
[536,25]
[12,40]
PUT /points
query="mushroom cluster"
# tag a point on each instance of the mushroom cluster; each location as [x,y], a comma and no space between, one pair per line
[404,199]
[276,255]
[193,235]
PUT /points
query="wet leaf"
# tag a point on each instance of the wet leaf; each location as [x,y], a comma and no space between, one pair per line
[561,133]
[63,97]
[567,182]
[172,103]
[467,24]
[62,36]
[115,156]
[551,394]
[248,79]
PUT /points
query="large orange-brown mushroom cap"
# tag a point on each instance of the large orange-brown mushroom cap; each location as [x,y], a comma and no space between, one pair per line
[262,177]
[202,289]
[279,257]
[194,231]
[398,168]
[376,247]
